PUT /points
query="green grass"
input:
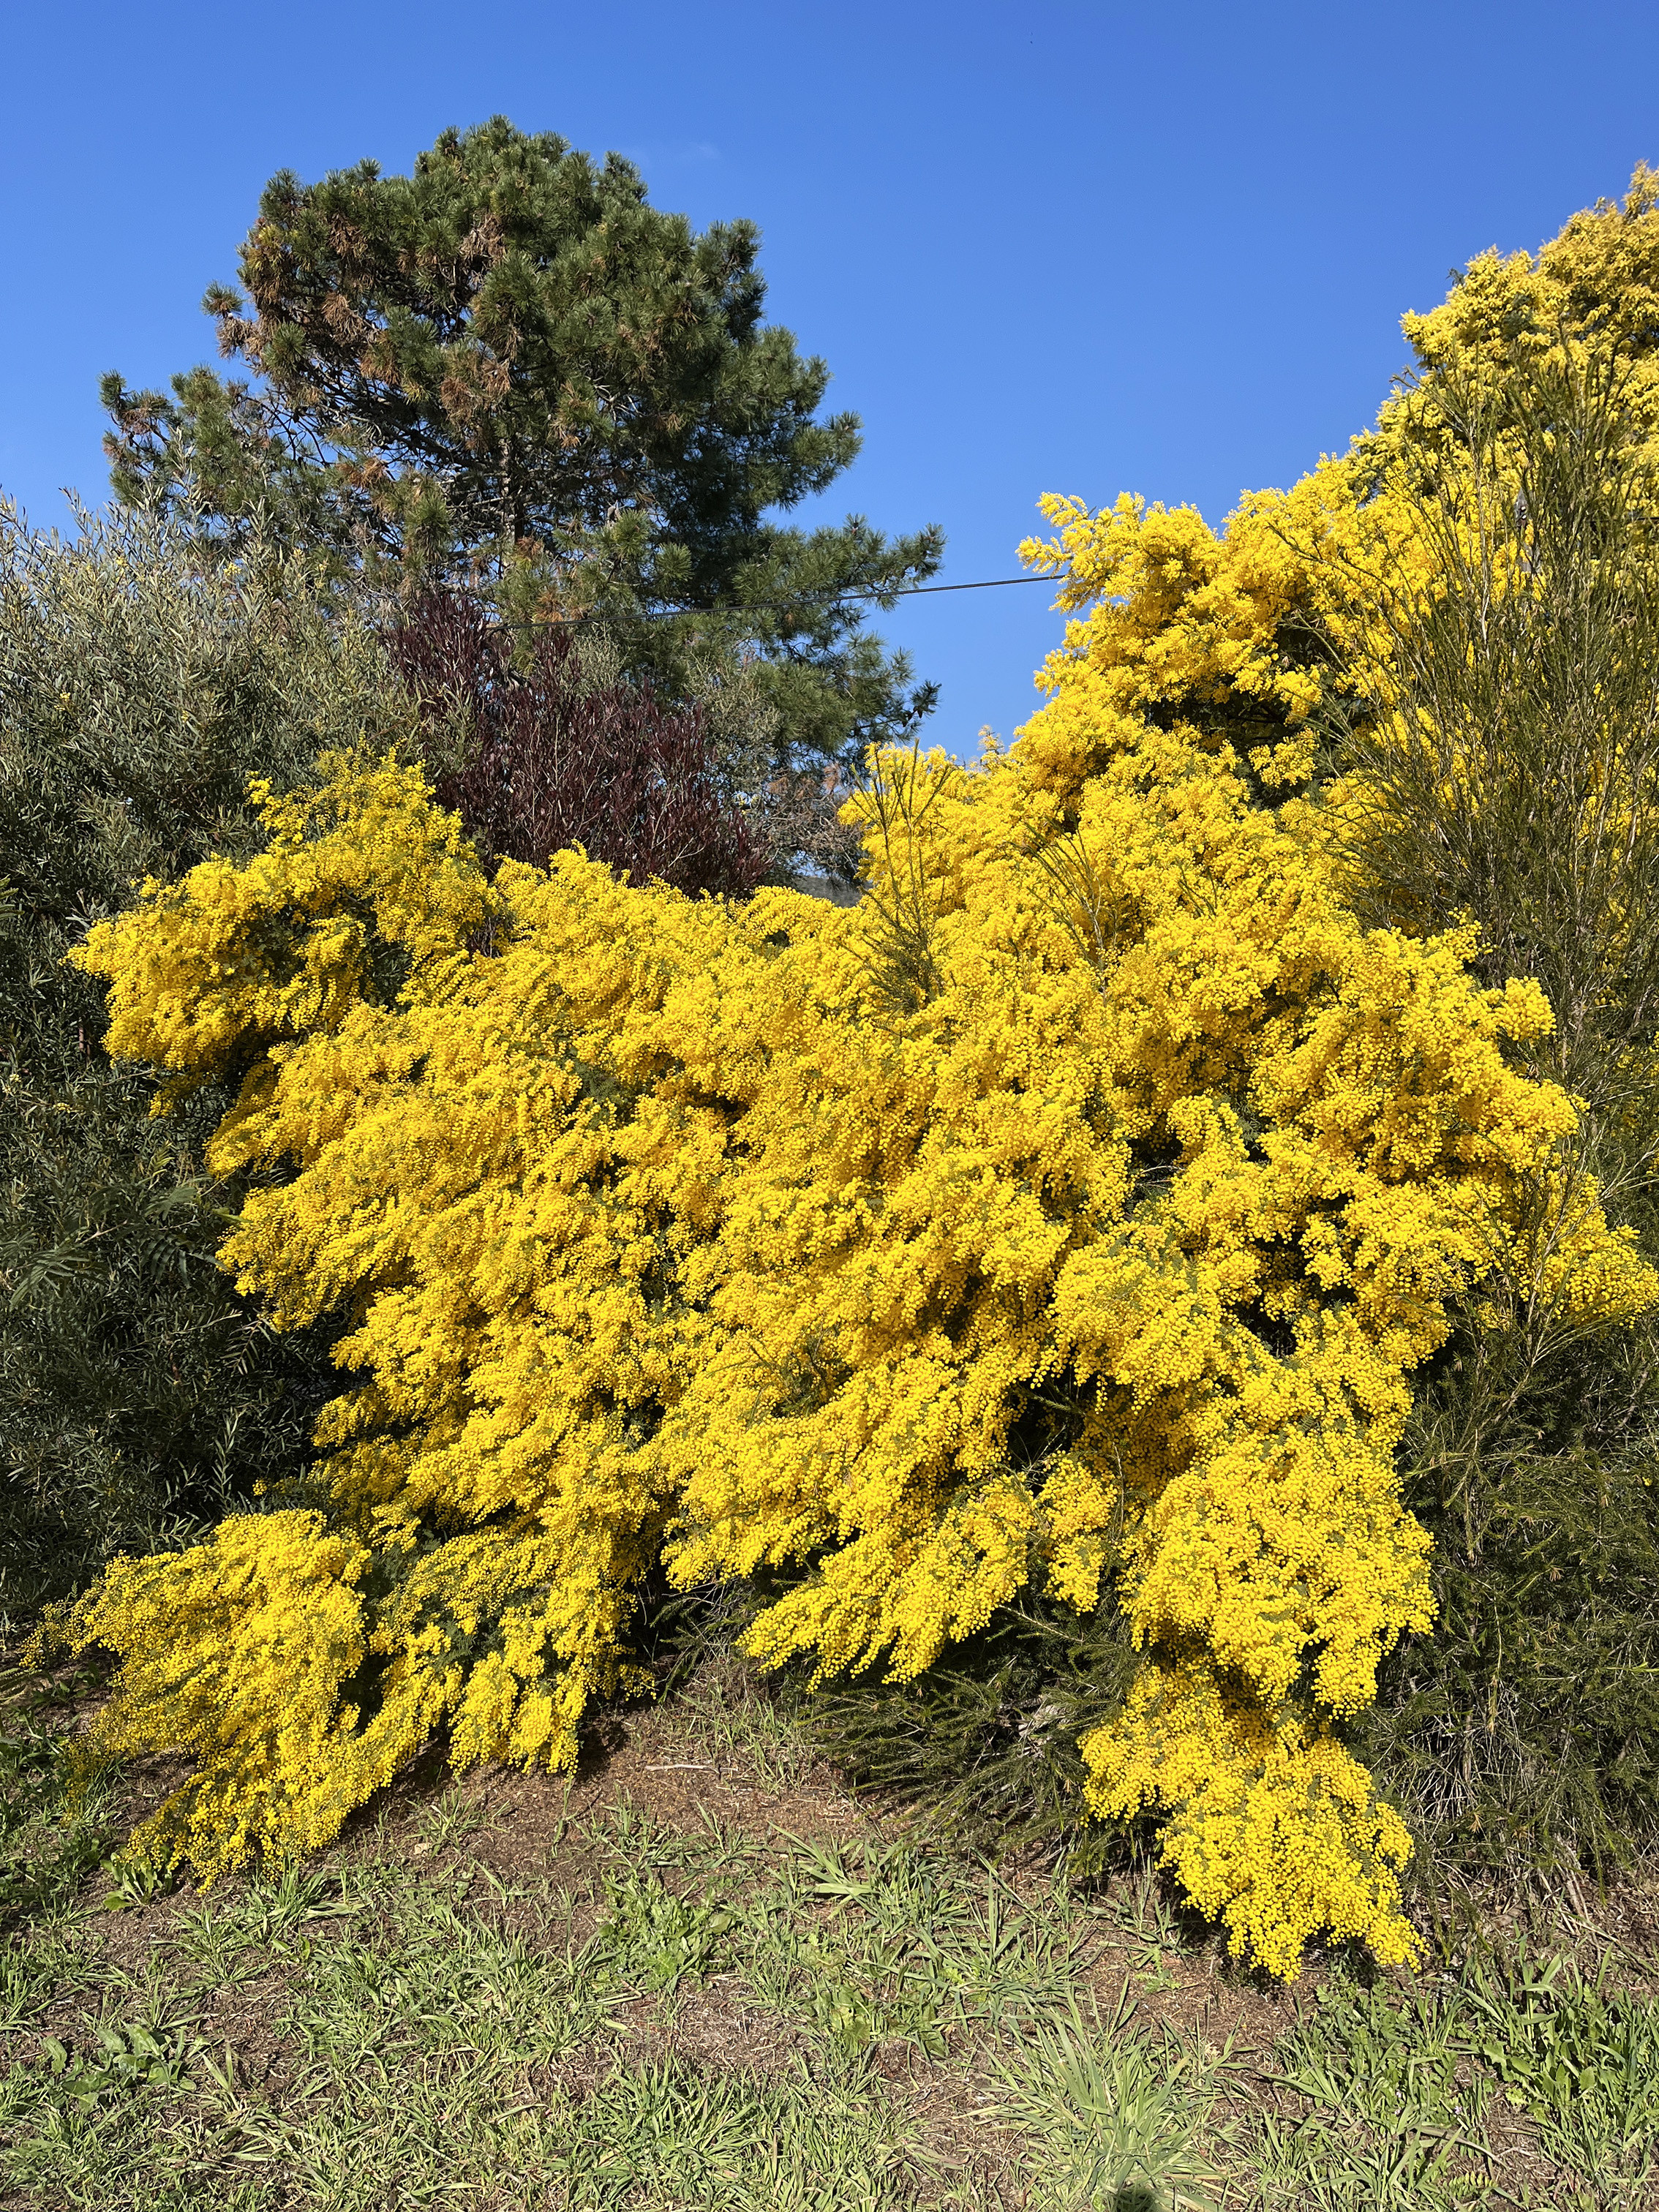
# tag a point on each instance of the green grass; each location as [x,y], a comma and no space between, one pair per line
[652,2009]
[1117,2112]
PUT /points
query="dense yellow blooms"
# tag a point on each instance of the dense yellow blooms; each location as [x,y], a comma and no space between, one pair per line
[668,1231]
[1274,1828]
[1597,279]
[663,1235]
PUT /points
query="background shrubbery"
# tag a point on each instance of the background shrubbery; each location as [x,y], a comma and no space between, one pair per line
[141,687]
[145,680]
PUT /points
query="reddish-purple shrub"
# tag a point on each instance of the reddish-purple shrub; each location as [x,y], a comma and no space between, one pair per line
[547,764]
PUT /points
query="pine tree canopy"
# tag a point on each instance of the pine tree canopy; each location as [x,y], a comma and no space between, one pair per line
[509,368]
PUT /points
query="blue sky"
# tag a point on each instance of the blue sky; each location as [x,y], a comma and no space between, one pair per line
[1078,248]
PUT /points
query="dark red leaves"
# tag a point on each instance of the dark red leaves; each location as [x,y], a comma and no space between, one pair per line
[547,764]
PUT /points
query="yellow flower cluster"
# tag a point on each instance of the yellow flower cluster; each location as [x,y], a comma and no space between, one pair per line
[669,1230]
[1597,280]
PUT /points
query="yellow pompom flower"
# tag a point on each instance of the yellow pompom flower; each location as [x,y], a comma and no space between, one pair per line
[1082,1223]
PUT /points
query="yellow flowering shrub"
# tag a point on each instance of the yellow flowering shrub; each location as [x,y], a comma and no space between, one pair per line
[1074,1212]
[667,1230]
[1598,278]
[1242,633]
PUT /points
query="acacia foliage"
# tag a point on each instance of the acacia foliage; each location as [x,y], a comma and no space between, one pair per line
[1461,618]
[1071,1216]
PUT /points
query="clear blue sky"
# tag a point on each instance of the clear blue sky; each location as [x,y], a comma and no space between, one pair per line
[1078,248]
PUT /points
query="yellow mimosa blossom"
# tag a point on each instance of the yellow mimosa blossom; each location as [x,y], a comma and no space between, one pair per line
[667,1228]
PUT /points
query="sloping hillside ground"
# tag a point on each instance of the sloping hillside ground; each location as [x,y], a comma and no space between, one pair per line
[699,1974]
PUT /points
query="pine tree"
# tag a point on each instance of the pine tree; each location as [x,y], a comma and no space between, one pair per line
[508,369]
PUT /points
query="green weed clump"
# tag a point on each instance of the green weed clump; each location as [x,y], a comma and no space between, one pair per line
[54,1830]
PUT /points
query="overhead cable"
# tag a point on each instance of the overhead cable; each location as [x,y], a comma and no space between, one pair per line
[786,606]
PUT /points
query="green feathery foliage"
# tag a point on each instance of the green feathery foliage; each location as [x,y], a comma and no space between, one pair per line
[139,690]
[1516,784]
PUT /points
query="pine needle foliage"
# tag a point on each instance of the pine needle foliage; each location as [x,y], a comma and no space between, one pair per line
[901,906]
[1508,769]
[984,1744]
[508,369]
